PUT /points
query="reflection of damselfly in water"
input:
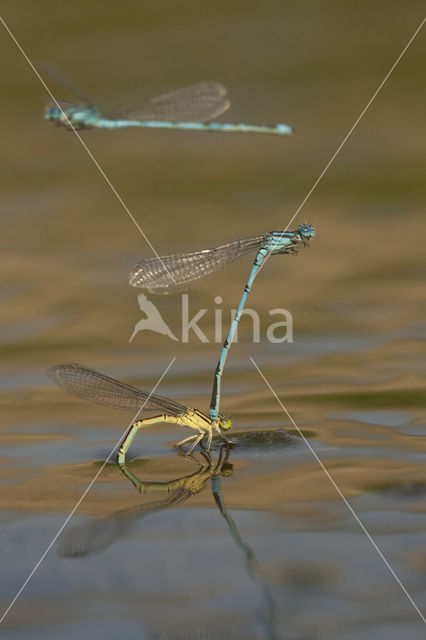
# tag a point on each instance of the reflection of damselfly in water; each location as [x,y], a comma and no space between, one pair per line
[187,109]
[170,274]
[102,389]
[96,536]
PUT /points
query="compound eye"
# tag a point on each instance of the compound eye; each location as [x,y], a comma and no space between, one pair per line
[225,423]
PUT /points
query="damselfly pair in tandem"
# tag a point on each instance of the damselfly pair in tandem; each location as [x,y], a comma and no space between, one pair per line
[169,274]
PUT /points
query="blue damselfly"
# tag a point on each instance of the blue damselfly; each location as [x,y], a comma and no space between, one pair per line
[187,109]
[171,274]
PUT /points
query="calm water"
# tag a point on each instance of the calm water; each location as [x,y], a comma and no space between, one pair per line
[281,557]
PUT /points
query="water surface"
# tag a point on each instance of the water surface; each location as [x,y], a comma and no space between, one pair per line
[296,564]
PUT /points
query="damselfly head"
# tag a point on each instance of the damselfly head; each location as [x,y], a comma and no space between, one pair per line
[225,423]
[52,112]
[58,114]
[306,232]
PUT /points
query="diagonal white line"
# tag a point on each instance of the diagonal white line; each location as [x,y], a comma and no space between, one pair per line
[345,139]
[92,482]
[86,148]
[317,458]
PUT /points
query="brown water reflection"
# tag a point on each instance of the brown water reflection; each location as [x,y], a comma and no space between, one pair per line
[353,380]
